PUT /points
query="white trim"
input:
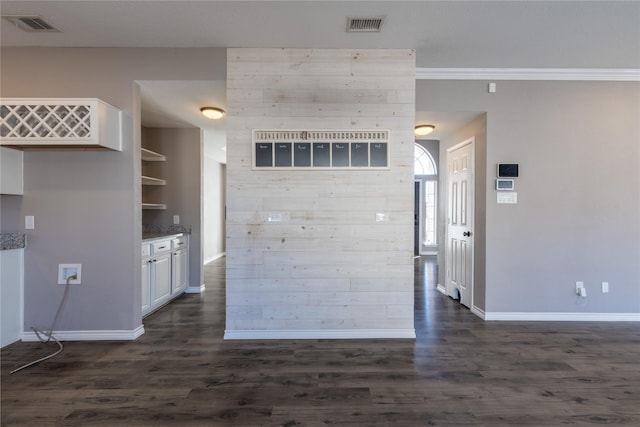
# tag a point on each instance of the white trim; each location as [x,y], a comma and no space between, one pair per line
[441,289]
[319,334]
[195,289]
[215,257]
[563,317]
[576,74]
[113,335]
[479,312]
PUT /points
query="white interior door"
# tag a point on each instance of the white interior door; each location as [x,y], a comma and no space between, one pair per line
[459,255]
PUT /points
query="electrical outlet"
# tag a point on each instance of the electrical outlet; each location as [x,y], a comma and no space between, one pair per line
[176,219]
[583,292]
[579,286]
[71,272]
[605,287]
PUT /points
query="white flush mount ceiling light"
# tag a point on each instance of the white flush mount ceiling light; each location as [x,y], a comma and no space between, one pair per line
[423,130]
[212,113]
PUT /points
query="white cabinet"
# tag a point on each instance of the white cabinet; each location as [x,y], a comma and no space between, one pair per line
[165,271]
[161,279]
[11,295]
[60,123]
[11,171]
[179,264]
[146,278]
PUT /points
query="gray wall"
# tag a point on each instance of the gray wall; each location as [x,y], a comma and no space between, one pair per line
[578,211]
[10,219]
[87,204]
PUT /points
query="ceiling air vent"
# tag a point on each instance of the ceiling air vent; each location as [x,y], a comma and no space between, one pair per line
[31,23]
[364,25]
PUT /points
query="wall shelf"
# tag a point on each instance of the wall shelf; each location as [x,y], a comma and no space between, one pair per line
[154,206]
[147,180]
[152,156]
[147,155]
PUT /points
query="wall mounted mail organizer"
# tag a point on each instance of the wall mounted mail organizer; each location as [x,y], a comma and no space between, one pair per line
[320,149]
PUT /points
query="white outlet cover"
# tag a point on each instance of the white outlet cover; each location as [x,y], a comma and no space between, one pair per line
[64,270]
[274,217]
[382,217]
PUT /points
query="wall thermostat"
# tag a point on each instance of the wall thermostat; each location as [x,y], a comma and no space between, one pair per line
[505,184]
[507,170]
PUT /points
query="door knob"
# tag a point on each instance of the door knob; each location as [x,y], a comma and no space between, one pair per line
[467,234]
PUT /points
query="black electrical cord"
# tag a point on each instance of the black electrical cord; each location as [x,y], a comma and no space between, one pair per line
[48,335]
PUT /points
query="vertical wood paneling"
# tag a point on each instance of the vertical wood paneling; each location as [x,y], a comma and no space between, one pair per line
[279,273]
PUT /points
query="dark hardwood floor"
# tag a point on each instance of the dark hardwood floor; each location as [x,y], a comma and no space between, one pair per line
[459,371]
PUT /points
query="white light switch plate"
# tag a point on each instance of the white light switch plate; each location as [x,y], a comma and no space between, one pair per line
[510,197]
[29,222]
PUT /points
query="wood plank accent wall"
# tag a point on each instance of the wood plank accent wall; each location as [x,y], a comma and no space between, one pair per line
[327,269]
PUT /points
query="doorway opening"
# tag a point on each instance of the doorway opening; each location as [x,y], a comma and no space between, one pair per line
[426,198]
[459,232]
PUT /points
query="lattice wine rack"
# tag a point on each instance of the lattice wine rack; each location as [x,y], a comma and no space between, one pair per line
[87,123]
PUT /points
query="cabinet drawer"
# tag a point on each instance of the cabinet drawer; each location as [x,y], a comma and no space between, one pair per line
[179,243]
[146,250]
[161,246]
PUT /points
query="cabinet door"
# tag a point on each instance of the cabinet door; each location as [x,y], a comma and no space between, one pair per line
[179,269]
[146,282]
[11,171]
[161,279]
[11,299]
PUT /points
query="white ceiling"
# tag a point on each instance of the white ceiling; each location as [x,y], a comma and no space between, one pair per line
[477,34]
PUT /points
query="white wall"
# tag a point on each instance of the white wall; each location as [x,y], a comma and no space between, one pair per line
[214,199]
[214,202]
[328,269]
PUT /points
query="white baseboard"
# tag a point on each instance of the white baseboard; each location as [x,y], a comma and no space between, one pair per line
[195,289]
[319,334]
[215,257]
[563,317]
[479,312]
[441,289]
[90,335]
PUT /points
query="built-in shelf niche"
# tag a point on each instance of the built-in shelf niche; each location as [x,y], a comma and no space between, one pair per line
[147,155]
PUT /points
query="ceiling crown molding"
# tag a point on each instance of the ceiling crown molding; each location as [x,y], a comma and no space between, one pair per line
[577,74]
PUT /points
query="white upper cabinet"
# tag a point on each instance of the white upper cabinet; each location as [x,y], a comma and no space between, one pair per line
[30,123]
[11,171]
